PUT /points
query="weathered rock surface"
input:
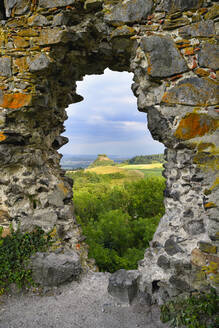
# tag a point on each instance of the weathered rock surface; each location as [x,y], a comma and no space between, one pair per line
[39,62]
[193,91]
[208,56]
[50,269]
[123,285]
[175,5]
[129,11]
[5,66]
[164,58]
[55,3]
[200,29]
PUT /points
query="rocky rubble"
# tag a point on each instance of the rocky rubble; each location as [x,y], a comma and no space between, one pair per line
[171,48]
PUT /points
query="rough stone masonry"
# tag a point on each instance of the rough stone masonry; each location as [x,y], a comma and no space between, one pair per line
[171,46]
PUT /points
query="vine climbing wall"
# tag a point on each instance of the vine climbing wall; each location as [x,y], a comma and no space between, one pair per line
[171,47]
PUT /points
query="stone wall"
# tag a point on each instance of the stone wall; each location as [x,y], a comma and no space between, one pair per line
[171,47]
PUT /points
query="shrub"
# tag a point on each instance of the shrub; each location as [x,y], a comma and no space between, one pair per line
[198,311]
[15,251]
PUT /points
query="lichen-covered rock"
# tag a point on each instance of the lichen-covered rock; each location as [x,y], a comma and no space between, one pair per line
[200,29]
[93,4]
[213,12]
[207,247]
[38,20]
[19,7]
[175,5]
[5,66]
[171,24]
[39,62]
[50,269]
[128,12]
[208,56]
[164,59]
[193,91]
[55,3]
[15,100]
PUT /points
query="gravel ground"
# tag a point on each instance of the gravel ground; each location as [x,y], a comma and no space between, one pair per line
[76,305]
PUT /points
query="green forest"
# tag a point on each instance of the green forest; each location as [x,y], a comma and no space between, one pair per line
[118,219]
[146,159]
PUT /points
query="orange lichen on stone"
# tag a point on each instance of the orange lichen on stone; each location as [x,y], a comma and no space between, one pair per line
[188,51]
[195,125]
[2,136]
[21,63]
[210,205]
[62,187]
[201,72]
[15,100]
[20,42]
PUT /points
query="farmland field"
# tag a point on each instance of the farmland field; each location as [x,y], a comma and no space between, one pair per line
[130,172]
[149,170]
[143,166]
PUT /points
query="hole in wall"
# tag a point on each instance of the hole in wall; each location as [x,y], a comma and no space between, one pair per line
[108,122]
[2,10]
[155,286]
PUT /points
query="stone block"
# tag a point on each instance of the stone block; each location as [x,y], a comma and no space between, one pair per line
[93,4]
[193,91]
[200,29]
[123,285]
[61,19]
[208,56]
[54,36]
[55,3]
[5,66]
[163,262]
[128,12]
[50,269]
[15,100]
[39,63]
[19,7]
[213,12]
[171,24]
[179,283]
[194,227]
[38,20]
[164,58]
[207,247]
[176,5]
[171,247]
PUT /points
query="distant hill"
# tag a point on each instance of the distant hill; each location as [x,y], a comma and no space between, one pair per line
[102,160]
[146,159]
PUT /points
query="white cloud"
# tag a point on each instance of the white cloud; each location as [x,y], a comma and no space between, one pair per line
[108,120]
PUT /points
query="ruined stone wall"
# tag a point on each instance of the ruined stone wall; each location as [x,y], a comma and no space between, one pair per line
[171,47]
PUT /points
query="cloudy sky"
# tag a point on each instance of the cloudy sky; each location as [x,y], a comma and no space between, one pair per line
[107,120]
